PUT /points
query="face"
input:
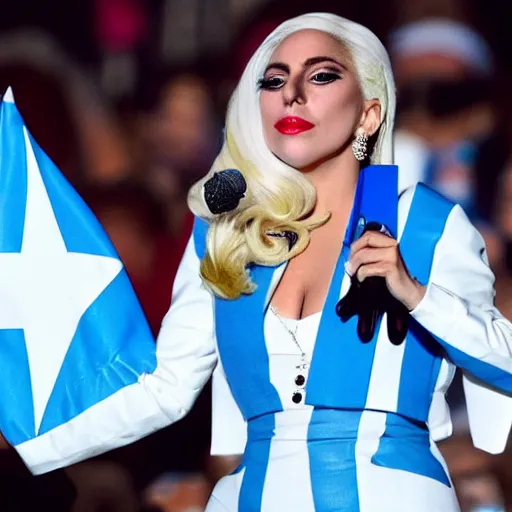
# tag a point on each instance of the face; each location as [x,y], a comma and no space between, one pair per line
[311,102]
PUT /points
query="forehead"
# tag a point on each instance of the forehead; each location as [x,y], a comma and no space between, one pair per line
[309,43]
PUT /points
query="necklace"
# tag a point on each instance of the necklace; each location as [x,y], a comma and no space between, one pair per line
[302,367]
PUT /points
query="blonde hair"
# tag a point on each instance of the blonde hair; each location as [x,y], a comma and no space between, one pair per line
[279,198]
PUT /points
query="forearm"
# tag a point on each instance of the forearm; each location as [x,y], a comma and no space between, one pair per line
[476,337]
[123,418]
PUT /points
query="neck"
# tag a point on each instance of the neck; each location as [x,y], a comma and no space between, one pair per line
[335,181]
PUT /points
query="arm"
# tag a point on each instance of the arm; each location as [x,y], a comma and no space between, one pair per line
[458,306]
[186,356]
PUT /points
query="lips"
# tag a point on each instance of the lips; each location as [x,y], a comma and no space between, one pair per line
[293,125]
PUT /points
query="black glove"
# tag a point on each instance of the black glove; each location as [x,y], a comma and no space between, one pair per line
[371,299]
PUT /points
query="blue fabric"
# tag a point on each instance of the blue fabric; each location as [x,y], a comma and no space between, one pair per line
[111,349]
[79,227]
[406,446]
[486,372]
[339,357]
[260,432]
[331,443]
[425,224]
[332,437]
[199,232]
[242,348]
[16,412]
[113,344]
[244,356]
[15,389]
[13,178]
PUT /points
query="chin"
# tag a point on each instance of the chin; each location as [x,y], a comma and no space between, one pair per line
[298,158]
[302,162]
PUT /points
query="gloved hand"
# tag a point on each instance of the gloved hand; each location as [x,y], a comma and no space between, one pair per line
[369,300]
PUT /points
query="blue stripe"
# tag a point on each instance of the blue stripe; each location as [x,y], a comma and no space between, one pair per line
[16,410]
[241,339]
[420,369]
[256,458]
[405,446]
[340,358]
[100,362]
[332,436]
[13,178]
[243,350]
[486,372]
[199,232]
[80,229]
[379,201]
[422,355]
[425,224]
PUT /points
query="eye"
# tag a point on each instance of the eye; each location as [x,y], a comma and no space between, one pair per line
[325,77]
[272,83]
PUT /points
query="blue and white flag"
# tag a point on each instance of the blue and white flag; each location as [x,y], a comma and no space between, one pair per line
[72,332]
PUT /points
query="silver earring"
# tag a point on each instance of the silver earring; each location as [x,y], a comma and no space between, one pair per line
[359,147]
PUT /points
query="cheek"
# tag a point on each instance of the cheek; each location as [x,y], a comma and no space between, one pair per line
[268,107]
[341,112]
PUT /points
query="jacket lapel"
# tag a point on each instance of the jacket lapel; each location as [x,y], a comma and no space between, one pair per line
[340,358]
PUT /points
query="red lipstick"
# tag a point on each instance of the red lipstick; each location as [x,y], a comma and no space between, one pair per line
[292,125]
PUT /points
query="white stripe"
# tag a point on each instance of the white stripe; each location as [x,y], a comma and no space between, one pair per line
[384,386]
[229,429]
[371,428]
[439,419]
[284,354]
[288,479]
[276,278]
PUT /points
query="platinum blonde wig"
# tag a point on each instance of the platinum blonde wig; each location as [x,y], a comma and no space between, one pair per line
[279,198]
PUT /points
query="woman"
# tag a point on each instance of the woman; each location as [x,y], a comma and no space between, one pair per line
[333,416]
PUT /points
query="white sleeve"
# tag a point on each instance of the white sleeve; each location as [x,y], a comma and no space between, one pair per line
[186,357]
[229,429]
[458,307]
[458,310]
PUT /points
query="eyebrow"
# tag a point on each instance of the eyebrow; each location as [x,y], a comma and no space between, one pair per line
[307,63]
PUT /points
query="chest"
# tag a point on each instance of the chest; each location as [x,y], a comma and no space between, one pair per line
[344,372]
[303,286]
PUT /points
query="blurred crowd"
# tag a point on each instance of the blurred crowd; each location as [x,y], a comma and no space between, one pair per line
[132,129]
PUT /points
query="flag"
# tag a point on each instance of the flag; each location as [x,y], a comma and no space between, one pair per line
[72,331]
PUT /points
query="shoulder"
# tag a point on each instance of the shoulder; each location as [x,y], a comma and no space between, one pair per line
[424,196]
[422,208]
[428,219]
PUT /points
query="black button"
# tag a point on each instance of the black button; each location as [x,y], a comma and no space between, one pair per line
[300,380]
[297,398]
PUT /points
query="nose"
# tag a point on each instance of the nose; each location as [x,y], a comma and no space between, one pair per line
[294,92]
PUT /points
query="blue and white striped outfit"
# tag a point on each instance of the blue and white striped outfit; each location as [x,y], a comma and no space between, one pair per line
[364,439]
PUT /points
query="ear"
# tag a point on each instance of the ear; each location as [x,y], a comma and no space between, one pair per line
[370,118]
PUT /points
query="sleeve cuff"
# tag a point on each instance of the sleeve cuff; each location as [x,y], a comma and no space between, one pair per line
[438,310]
